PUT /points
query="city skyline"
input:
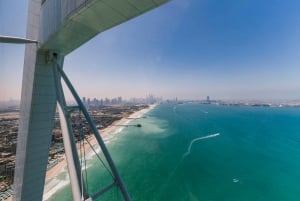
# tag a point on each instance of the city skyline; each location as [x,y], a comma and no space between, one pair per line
[187,49]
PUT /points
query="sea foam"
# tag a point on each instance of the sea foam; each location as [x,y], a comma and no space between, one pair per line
[56,183]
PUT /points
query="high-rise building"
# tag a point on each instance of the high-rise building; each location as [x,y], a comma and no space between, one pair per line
[207,99]
[119,100]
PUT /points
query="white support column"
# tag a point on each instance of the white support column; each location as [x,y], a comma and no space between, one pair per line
[75,184]
[74,167]
[38,105]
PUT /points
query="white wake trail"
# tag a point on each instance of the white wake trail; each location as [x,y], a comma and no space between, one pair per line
[186,154]
[197,139]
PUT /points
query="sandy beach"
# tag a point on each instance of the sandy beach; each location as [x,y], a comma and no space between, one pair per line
[104,132]
[61,166]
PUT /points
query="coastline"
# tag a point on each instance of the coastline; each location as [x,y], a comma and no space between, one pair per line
[105,133]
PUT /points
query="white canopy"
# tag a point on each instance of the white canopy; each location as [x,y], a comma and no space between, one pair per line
[66,25]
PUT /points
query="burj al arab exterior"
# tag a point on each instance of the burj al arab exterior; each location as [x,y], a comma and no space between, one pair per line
[56,28]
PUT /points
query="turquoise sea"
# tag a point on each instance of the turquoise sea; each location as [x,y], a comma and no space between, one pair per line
[197,152]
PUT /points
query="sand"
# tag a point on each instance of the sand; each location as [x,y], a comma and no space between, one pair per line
[55,170]
[103,132]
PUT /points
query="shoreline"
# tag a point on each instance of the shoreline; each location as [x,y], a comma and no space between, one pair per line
[62,165]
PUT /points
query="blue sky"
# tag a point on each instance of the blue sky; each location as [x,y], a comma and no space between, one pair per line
[237,49]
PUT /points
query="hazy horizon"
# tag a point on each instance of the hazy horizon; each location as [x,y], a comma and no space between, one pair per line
[237,50]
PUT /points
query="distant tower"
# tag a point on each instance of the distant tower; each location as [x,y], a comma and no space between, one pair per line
[119,100]
[207,99]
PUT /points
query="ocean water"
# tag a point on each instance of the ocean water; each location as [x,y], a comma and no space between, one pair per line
[199,152]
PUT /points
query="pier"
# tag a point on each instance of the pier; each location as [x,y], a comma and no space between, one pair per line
[125,125]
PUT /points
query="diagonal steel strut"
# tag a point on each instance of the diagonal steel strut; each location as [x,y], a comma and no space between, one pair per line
[66,126]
